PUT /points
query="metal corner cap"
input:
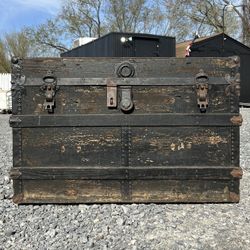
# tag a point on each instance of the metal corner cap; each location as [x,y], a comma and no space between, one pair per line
[237,173]
[237,120]
[14,121]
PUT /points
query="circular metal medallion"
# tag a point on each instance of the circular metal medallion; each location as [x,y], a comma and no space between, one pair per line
[125,70]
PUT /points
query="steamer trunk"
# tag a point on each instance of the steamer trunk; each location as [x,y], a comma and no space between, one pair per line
[99,130]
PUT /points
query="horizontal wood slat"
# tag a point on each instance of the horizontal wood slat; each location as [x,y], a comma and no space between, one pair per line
[129,173]
[144,67]
[119,120]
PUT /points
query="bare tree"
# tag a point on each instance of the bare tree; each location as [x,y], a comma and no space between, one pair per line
[4,61]
[136,16]
[47,38]
[125,15]
[243,12]
[79,18]
[83,17]
[13,44]
[186,15]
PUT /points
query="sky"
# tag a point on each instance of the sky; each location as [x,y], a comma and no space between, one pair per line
[15,14]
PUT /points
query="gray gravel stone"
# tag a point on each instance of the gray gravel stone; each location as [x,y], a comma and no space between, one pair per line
[10,232]
[120,222]
[135,226]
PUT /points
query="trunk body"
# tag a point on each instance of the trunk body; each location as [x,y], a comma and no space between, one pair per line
[99,130]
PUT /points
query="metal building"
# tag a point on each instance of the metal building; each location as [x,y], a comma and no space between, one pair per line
[117,44]
[221,45]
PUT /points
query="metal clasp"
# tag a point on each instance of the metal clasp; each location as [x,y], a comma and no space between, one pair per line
[201,80]
[49,87]
[126,103]
[111,94]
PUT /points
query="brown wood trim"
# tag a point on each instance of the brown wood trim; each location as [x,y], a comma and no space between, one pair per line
[120,120]
[127,173]
[142,191]
[106,67]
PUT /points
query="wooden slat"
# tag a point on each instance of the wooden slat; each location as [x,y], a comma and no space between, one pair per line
[118,120]
[127,173]
[142,191]
[144,67]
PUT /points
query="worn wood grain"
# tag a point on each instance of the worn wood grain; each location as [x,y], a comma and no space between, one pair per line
[142,191]
[145,67]
[129,173]
[132,120]
[150,146]
[147,99]
[71,146]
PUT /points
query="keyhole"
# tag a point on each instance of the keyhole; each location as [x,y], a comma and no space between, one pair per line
[111,101]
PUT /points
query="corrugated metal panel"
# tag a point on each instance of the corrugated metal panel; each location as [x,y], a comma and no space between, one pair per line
[141,45]
[5,81]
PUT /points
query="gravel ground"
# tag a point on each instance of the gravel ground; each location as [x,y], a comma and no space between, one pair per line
[208,226]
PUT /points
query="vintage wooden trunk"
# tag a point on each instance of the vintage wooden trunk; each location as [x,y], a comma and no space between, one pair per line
[98,130]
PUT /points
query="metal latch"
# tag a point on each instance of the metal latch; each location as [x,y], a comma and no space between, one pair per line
[49,87]
[201,80]
[111,94]
[126,103]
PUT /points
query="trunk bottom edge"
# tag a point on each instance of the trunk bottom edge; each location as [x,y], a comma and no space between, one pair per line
[138,191]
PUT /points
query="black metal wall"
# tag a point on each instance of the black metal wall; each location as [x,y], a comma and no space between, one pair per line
[226,46]
[110,45]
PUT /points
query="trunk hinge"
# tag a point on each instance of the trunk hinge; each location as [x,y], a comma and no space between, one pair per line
[202,87]
[49,88]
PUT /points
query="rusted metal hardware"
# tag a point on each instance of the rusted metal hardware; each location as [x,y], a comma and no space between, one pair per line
[18,198]
[15,121]
[111,94]
[126,103]
[234,85]
[125,69]
[17,84]
[201,80]
[16,67]
[237,173]
[234,197]
[17,77]
[237,120]
[49,87]
[15,173]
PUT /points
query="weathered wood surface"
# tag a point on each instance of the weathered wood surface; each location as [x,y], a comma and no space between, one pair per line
[128,173]
[121,120]
[144,67]
[151,99]
[149,146]
[112,191]
[164,150]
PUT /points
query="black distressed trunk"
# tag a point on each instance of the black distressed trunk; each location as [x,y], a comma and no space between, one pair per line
[142,130]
